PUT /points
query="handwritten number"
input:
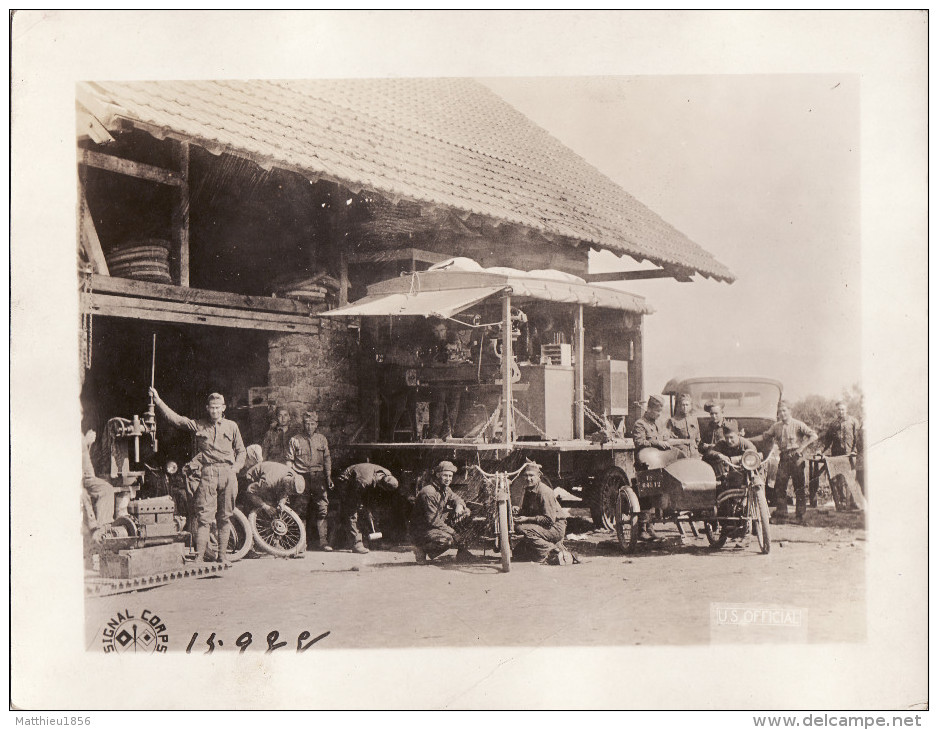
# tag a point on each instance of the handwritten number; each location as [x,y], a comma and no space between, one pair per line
[244,641]
[305,635]
[210,641]
[272,642]
[192,642]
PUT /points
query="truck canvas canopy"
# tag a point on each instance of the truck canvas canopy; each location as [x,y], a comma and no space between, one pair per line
[455,285]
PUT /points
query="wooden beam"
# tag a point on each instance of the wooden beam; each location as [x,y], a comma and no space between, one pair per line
[579,396]
[682,275]
[128,167]
[164,311]
[507,405]
[89,236]
[398,254]
[169,292]
[181,212]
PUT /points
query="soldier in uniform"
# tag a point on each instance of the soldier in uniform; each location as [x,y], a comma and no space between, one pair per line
[793,438]
[729,451]
[683,425]
[277,439]
[351,487]
[220,457]
[841,438]
[271,484]
[540,520]
[646,431]
[308,455]
[720,425]
[440,519]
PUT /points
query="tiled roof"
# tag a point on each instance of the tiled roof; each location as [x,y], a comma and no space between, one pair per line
[451,142]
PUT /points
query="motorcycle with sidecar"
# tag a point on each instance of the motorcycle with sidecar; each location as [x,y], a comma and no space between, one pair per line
[670,487]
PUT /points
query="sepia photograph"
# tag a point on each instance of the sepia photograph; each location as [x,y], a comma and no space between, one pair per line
[539,377]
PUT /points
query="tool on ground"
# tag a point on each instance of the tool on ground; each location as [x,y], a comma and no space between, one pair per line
[373,535]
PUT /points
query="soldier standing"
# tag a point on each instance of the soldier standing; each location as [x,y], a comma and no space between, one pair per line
[308,456]
[220,457]
[277,439]
[793,438]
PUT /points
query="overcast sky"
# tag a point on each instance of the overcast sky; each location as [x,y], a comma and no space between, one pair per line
[762,172]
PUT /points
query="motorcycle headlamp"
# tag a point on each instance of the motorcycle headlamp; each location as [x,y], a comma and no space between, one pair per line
[751,460]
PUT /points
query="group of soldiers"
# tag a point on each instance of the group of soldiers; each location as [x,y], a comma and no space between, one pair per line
[295,468]
[794,439]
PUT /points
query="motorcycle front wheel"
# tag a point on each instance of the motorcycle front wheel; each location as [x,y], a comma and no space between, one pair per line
[760,523]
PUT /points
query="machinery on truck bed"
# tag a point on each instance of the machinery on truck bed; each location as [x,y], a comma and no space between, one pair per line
[492,367]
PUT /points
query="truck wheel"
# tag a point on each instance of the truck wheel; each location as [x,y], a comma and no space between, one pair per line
[761,525]
[504,544]
[627,511]
[603,507]
[282,533]
[716,535]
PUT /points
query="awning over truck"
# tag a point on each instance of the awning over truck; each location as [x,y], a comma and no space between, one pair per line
[444,293]
[417,304]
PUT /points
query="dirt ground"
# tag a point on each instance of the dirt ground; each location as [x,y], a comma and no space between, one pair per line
[660,595]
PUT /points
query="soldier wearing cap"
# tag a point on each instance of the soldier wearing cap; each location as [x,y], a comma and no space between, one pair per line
[272,483]
[308,455]
[215,467]
[793,438]
[720,425]
[351,487]
[646,431]
[439,519]
[540,520]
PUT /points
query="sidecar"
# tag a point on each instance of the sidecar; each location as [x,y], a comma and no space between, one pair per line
[670,482]
[668,487]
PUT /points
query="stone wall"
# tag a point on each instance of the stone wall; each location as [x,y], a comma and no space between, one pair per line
[319,372]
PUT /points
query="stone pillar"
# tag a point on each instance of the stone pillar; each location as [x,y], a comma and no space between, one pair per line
[315,372]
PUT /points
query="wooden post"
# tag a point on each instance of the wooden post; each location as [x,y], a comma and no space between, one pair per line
[343,273]
[507,409]
[578,363]
[181,211]
[339,228]
[636,374]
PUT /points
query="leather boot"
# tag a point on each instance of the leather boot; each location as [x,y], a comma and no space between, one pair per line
[202,534]
[322,526]
[224,531]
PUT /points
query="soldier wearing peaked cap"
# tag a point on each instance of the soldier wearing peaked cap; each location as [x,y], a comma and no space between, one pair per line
[440,520]
[646,431]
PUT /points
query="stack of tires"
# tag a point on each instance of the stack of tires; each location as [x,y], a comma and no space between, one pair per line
[145,259]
